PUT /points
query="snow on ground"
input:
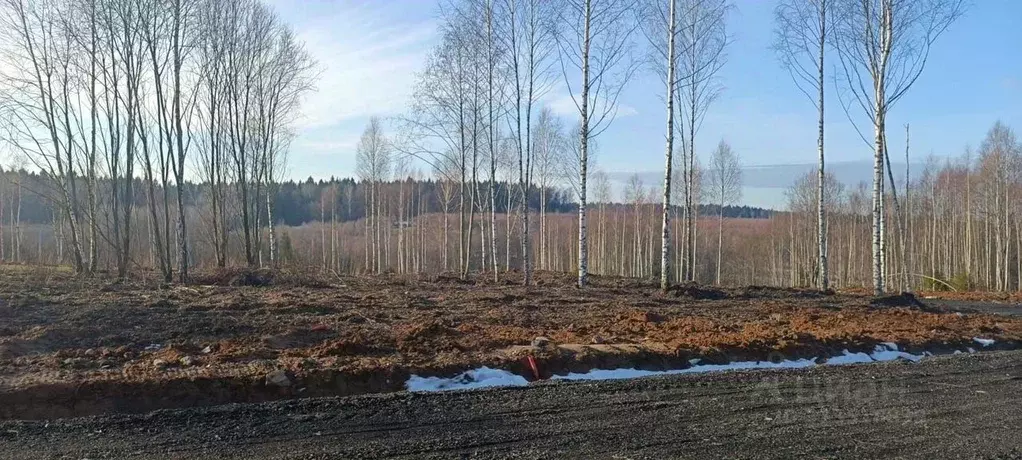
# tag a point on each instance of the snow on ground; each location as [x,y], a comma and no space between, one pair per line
[615,374]
[486,377]
[982,341]
[883,352]
[477,378]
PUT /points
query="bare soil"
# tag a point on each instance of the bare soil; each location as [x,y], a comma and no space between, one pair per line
[71,346]
[952,406]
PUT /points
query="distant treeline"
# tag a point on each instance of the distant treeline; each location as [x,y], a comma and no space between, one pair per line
[298,203]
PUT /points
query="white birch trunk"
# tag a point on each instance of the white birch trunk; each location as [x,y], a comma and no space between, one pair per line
[665,233]
[821,230]
[583,250]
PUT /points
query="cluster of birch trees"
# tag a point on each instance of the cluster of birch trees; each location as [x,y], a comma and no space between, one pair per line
[478,98]
[114,100]
[882,48]
[962,220]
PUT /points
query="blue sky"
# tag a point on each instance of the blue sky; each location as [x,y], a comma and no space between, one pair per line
[370,50]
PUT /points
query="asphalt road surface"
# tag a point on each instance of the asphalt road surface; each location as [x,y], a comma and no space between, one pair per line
[964,406]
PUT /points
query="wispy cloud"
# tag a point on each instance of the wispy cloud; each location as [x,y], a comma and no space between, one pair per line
[368,54]
[563,104]
[341,145]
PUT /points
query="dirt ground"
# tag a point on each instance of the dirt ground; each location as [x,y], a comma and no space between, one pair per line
[71,346]
[952,406]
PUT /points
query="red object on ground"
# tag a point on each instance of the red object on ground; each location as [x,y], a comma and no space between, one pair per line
[532,365]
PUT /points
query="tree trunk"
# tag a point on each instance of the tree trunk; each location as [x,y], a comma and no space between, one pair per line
[272,238]
[821,222]
[583,249]
[878,177]
[665,227]
[720,237]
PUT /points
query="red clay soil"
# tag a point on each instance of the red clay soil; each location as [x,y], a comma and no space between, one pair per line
[72,346]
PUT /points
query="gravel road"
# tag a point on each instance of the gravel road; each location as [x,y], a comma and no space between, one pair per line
[964,406]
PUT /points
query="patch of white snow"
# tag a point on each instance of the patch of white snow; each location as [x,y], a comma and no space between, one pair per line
[849,358]
[880,353]
[982,341]
[483,377]
[615,374]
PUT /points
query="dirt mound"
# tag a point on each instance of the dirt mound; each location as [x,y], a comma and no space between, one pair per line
[770,292]
[14,347]
[297,338]
[641,317]
[905,299]
[350,346]
[696,292]
[451,278]
[259,277]
[252,278]
[432,336]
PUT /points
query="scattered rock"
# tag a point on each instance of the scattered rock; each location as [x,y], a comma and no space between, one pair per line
[159,362]
[69,361]
[188,361]
[207,350]
[597,340]
[541,342]
[278,378]
[90,352]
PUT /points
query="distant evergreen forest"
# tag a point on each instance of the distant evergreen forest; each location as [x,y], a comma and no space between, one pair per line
[298,203]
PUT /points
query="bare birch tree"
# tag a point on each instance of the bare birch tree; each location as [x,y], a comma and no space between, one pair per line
[435,131]
[529,43]
[883,46]
[38,85]
[596,43]
[372,162]
[548,147]
[702,42]
[726,183]
[661,28]
[801,39]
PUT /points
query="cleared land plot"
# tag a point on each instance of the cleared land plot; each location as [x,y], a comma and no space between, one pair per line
[963,406]
[71,347]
